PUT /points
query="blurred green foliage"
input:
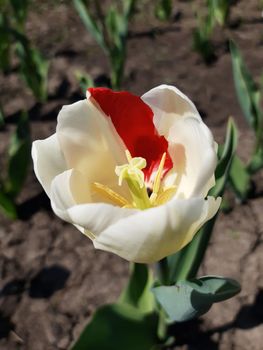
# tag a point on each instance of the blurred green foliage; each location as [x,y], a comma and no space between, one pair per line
[163,9]
[249,96]
[12,177]
[32,65]
[216,12]
[33,68]
[110,29]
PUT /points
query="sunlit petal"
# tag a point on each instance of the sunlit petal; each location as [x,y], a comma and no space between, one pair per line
[48,160]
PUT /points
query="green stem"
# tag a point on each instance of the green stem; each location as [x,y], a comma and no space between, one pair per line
[138,293]
[163,271]
[162,325]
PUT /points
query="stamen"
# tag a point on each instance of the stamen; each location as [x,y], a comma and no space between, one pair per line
[165,196]
[157,180]
[106,192]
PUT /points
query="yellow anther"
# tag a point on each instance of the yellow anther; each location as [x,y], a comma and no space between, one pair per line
[109,194]
[132,173]
[157,180]
[165,196]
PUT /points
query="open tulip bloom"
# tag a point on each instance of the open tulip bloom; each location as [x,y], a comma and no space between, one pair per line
[131,173]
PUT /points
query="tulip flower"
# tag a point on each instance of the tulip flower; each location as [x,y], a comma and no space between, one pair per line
[131,173]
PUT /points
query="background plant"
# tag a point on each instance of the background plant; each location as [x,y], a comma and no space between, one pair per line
[249,95]
[163,9]
[110,30]
[33,67]
[13,174]
[216,13]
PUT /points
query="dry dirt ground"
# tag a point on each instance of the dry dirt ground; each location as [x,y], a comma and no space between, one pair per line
[52,279]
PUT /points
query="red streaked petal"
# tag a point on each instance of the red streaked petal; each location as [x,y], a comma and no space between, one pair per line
[133,120]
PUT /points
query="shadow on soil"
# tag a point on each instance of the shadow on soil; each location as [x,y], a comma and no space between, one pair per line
[48,281]
[33,205]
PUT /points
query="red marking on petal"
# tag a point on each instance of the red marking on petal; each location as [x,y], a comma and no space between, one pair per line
[133,121]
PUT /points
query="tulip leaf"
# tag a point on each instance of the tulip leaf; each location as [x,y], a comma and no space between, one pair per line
[225,159]
[119,326]
[246,89]
[256,162]
[129,9]
[163,9]
[5,43]
[90,24]
[116,27]
[85,81]
[239,178]
[2,118]
[138,291]
[19,156]
[7,206]
[185,263]
[189,299]
[20,8]
[33,68]
[219,9]
[110,30]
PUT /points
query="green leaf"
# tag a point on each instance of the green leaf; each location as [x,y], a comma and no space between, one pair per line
[116,27]
[19,156]
[217,288]
[189,299]
[89,23]
[20,8]
[129,9]
[85,81]
[7,206]
[246,89]
[138,291]
[202,38]
[119,326]
[185,263]
[219,9]
[256,162]
[5,43]
[33,68]
[2,118]
[239,178]
[163,9]
[226,158]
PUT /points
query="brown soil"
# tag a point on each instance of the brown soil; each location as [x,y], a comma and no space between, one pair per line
[52,279]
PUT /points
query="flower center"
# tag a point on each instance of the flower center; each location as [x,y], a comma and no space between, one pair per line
[142,197]
[132,173]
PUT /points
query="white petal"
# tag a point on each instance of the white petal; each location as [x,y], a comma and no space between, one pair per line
[90,143]
[193,151]
[152,234]
[97,217]
[68,189]
[168,104]
[48,160]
